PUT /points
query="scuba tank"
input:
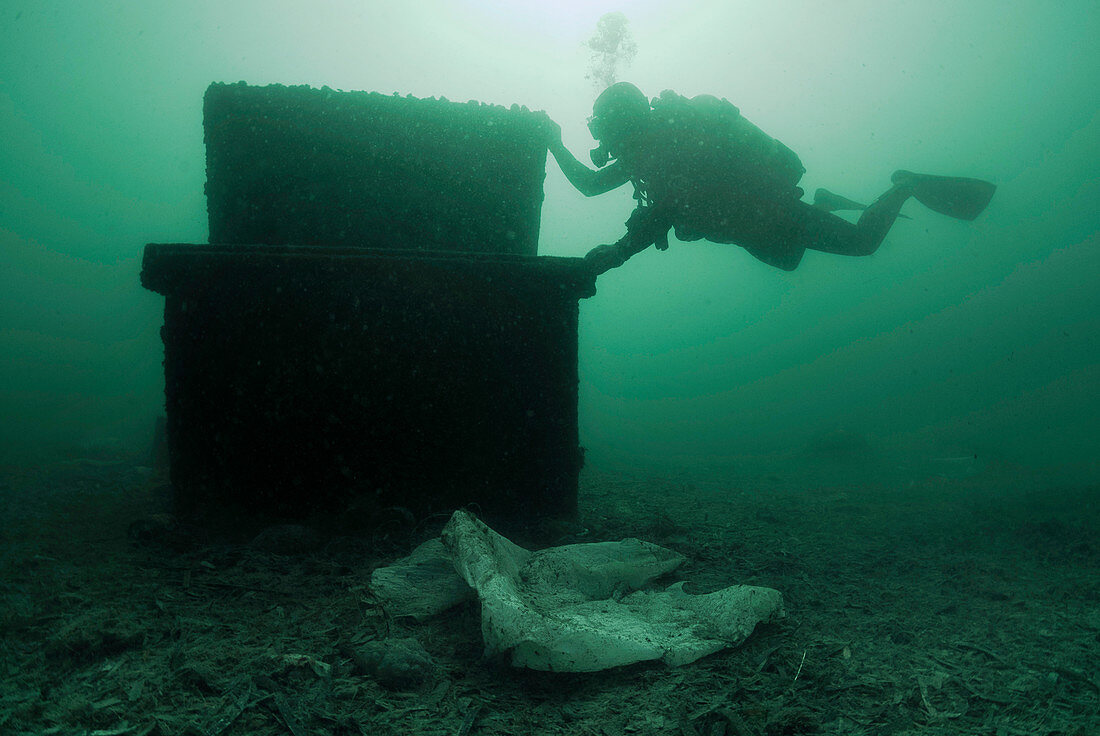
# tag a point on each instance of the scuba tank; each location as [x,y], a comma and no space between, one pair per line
[724,135]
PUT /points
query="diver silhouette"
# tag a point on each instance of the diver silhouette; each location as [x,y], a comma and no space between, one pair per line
[701,169]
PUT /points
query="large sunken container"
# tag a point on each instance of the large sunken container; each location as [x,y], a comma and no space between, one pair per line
[370,326]
[302,166]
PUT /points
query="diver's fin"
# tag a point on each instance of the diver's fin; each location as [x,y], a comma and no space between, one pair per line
[831,202]
[954,196]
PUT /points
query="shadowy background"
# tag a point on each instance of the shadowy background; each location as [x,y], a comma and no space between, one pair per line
[956,346]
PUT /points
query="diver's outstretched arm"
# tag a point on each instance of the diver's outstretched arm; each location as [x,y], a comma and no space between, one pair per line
[606,257]
[647,226]
[587,181]
[603,258]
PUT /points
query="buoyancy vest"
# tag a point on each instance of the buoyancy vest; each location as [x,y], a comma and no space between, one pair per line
[702,154]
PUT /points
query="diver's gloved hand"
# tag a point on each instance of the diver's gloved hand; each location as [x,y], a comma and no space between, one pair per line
[548,129]
[604,258]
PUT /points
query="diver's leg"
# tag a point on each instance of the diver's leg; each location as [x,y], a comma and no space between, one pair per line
[831,202]
[879,217]
[786,258]
[954,196]
[831,234]
[772,230]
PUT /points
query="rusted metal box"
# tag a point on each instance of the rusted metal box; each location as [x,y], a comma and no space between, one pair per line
[310,371]
[303,166]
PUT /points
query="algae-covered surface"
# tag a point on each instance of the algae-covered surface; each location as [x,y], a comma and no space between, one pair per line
[934,606]
[304,166]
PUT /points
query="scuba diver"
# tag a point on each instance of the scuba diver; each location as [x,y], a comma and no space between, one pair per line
[701,169]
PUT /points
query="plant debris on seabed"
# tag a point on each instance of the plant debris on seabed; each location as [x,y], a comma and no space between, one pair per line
[953,606]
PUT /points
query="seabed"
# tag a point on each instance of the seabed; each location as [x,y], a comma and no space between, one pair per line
[934,606]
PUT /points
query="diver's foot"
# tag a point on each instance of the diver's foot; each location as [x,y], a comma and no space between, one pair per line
[954,196]
[830,202]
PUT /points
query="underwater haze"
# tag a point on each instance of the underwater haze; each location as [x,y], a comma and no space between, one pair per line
[969,342]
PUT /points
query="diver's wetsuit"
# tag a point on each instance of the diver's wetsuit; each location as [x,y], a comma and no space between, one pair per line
[685,181]
[778,231]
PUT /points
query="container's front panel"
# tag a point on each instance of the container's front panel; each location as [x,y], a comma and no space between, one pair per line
[415,386]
